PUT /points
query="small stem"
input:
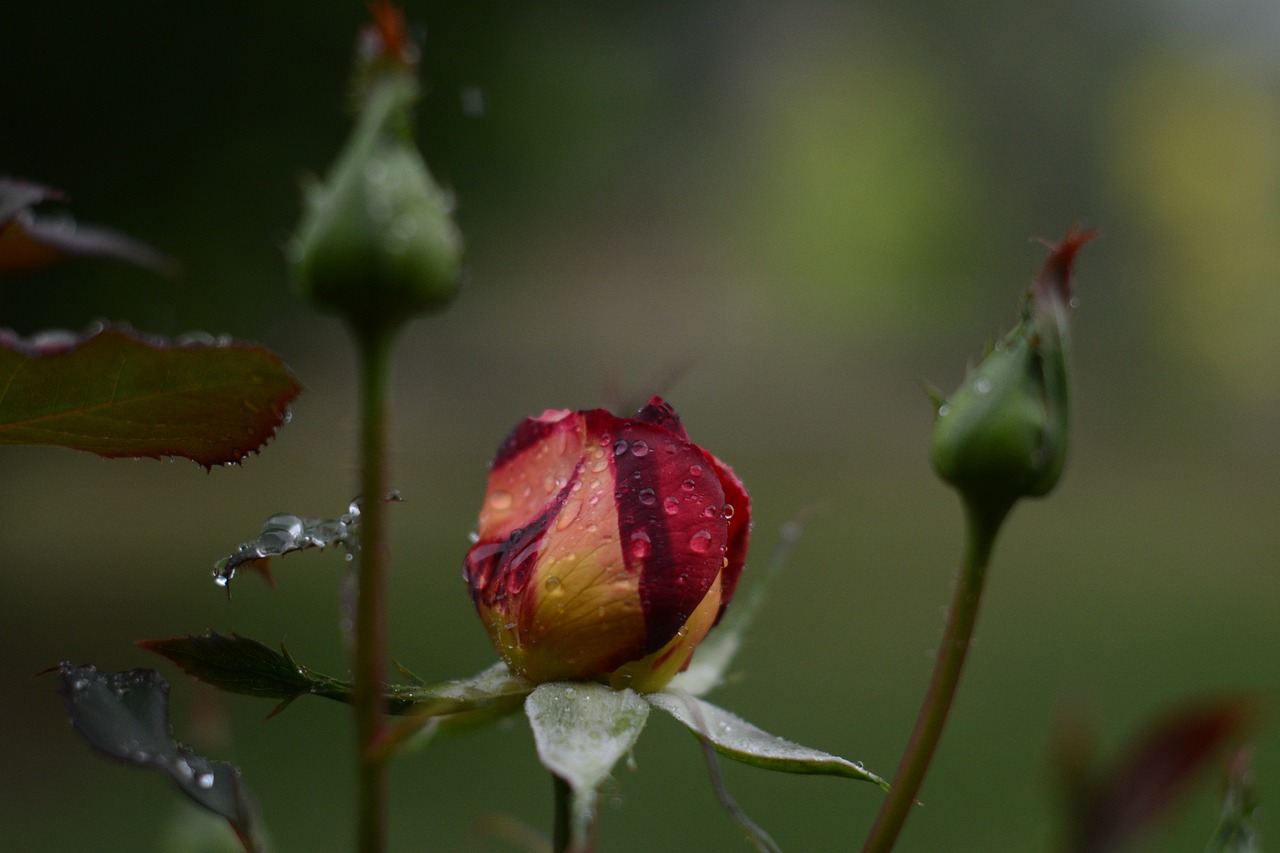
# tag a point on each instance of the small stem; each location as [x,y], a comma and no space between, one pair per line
[564,797]
[982,524]
[371,625]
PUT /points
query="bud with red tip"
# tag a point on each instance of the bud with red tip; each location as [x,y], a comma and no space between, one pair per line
[1003,434]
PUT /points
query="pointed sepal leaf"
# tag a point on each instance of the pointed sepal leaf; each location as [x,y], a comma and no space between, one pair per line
[125,716]
[116,393]
[581,730]
[733,737]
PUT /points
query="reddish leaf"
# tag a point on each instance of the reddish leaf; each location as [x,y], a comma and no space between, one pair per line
[1108,812]
[116,393]
[29,240]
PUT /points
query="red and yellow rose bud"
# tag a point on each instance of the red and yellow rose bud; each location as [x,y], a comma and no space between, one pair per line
[607,547]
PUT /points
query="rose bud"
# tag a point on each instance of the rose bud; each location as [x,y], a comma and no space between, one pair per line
[377,244]
[607,547]
[1003,435]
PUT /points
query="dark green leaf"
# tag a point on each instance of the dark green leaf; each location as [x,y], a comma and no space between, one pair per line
[241,665]
[125,716]
[117,393]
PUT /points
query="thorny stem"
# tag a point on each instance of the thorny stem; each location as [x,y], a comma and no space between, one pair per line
[371,626]
[982,524]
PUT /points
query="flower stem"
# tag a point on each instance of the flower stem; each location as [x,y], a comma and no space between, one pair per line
[370,653]
[982,524]
[560,838]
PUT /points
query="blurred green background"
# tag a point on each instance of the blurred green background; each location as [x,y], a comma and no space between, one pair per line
[801,210]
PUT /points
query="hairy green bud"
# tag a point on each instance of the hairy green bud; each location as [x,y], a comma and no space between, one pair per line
[377,244]
[1003,435]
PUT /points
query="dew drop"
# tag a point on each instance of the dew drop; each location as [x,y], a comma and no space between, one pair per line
[728,511]
[671,505]
[944,410]
[552,582]
[640,544]
[639,448]
[205,780]
[620,447]
[982,386]
[688,485]
[709,511]
[648,497]
[695,470]
[568,515]
[500,500]
[700,542]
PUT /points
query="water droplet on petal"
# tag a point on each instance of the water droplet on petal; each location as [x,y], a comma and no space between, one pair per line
[568,515]
[648,497]
[695,470]
[640,544]
[205,780]
[728,511]
[500,500]
[620,447]
[688,485]
[700,542]
[671,505]
[639,448]
[552,582]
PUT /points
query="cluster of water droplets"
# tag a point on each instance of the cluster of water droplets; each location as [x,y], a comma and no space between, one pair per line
[284,532]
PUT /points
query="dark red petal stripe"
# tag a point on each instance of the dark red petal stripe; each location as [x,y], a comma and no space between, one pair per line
[663,491]
[496,570]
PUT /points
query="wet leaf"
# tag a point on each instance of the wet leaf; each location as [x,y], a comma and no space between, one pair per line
[125,716]
[581,731]
[241,665]
[30,240]
[116,393]
[735,738]
[284,533]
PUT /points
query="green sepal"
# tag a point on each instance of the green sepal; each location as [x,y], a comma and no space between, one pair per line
[735,738]
[581,730]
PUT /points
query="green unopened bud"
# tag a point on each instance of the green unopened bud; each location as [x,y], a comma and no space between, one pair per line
[1003,435]
[377,244]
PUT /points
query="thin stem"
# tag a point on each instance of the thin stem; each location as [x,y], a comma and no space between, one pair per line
[564,797]
[368,696]
[983,522]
